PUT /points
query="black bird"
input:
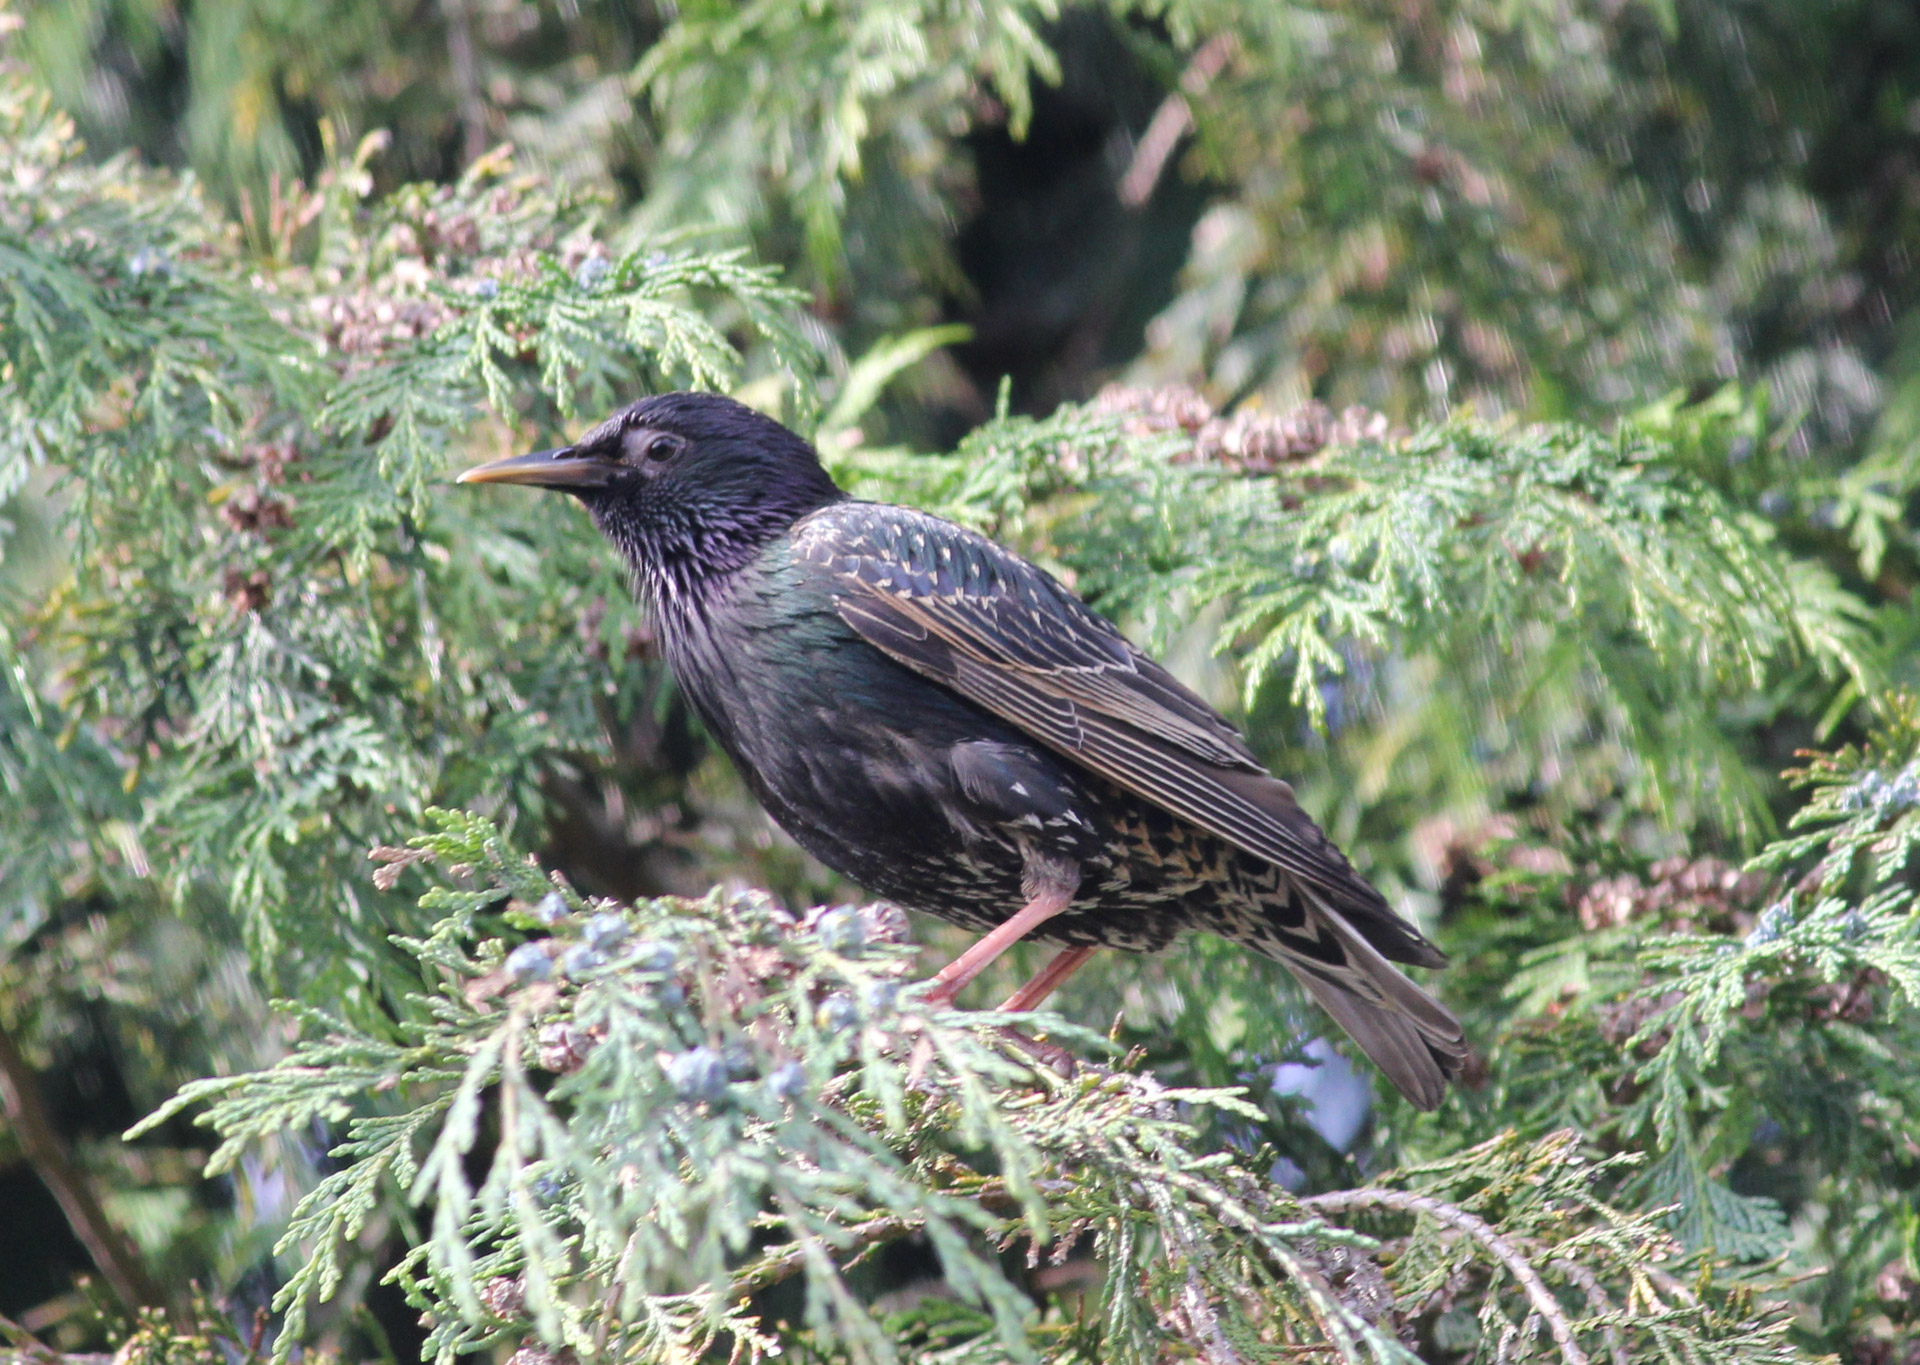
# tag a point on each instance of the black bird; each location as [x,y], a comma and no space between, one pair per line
[944,723]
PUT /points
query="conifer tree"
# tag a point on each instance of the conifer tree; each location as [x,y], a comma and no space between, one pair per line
[576,1057]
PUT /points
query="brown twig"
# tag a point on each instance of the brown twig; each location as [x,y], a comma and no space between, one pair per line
[1204,1324]
[26,1113]
[771,1270]
[1599,1303]
[992,1195]
[25,1342]
[1483,1232]
[466,80]
[1171,121]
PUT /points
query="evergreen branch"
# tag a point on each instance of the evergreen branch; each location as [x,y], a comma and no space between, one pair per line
[279,642]
[771,1270]
[1501,1248]
[724,1073]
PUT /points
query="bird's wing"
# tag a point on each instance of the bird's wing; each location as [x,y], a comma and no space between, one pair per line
[960,610]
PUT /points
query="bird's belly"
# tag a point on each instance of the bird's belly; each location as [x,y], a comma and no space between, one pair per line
[856,766]
[1155,878]
[895,839]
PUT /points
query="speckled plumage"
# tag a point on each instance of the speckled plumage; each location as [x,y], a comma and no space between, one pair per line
[942,722]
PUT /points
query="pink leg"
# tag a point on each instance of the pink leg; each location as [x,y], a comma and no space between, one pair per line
[1049,979]
[953,977]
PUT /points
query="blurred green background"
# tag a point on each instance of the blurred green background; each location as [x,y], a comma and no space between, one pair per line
[1504,210]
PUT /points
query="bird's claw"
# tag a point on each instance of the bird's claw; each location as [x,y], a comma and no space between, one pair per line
[1050,1055]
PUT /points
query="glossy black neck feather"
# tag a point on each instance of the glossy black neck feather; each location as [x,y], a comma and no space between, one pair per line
[741,480]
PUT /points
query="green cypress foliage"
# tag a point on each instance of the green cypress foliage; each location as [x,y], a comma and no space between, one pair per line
[282,713]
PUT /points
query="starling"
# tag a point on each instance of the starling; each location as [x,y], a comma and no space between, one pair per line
[945,724]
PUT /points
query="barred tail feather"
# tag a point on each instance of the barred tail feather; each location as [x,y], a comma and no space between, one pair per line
[1410,1036]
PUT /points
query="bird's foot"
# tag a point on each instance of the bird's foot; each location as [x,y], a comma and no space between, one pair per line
[1050,1055]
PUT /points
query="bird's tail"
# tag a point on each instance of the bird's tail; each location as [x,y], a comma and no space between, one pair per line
[1410,1036]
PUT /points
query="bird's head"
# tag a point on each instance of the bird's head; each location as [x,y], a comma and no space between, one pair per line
[686,485]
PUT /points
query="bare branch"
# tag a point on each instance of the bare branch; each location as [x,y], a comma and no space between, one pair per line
[1171,121]
[115,1257]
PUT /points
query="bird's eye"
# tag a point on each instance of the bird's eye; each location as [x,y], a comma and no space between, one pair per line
[654,447]
[651,447]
